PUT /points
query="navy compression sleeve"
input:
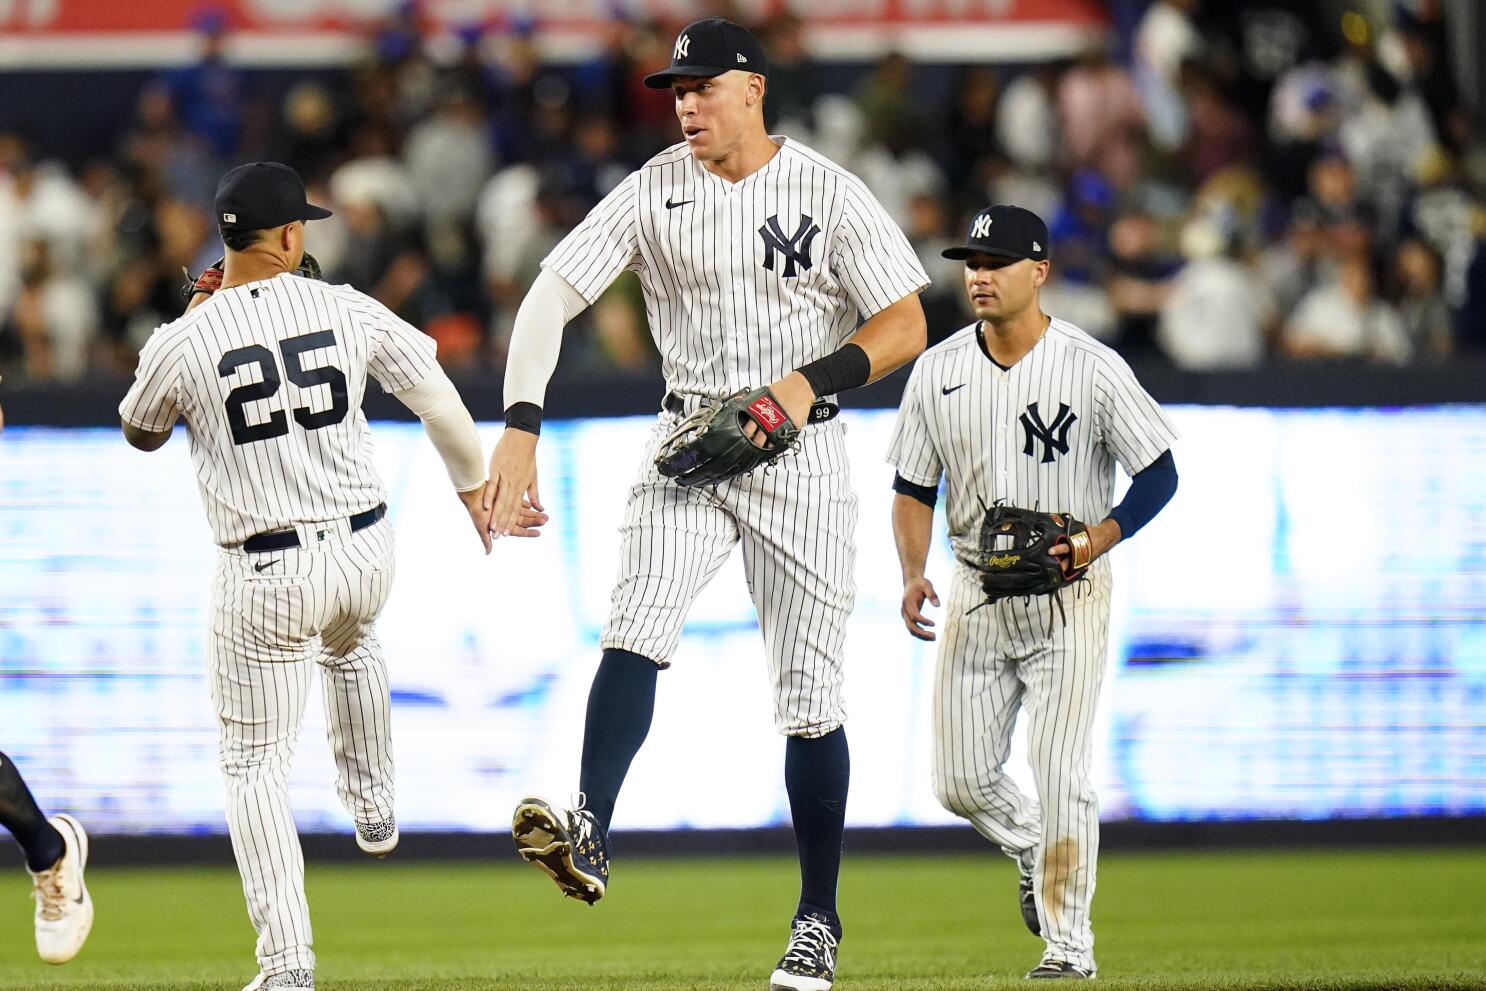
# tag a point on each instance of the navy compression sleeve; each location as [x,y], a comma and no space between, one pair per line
[1150,490]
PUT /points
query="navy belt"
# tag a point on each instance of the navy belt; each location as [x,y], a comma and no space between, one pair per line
[820,412]
[285,539]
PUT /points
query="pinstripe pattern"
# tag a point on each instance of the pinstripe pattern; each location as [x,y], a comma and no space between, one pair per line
[721,320]
[278,614]
[796,524]
[303,475]
[968,420]
[311,606]
[729,311]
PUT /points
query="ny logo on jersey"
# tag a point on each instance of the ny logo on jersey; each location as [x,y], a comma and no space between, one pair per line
[683,44]
[795,249]
[1054,436]
[982,227]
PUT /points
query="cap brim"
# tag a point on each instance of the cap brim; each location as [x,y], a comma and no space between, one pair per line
[312,212]
[961,252]
[662,79]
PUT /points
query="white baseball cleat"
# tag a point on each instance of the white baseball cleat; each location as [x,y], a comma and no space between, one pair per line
[378,838]
[290,980]
[64,909]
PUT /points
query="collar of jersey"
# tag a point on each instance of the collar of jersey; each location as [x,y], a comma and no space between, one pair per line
[710,176]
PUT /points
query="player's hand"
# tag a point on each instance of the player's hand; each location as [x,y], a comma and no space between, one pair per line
[474,504]
[796,396]
[513,475]
[915,591]
[1102,537]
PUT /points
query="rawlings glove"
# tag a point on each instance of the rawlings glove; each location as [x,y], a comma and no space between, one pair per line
[210,280]
[709,446]
[1014,554]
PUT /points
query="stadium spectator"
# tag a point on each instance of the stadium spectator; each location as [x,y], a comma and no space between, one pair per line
[1344,318]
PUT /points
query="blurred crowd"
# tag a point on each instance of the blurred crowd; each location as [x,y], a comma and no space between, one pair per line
[1254,183]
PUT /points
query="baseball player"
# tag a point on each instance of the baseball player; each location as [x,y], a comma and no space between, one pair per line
[269,371]
[1026,410]
[56,856]
[757,257]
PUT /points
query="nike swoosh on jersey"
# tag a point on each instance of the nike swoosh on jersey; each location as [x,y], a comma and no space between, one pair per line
[259,567]
[952,388]
[672,206]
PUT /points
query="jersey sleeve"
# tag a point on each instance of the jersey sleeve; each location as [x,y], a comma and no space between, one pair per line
[154,400]
[911,450]
[606,243]
[873,260]
[1132,425]
[401,356]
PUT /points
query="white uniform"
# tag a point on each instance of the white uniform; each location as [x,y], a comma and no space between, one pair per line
[270,378]
[1044,434]
[743,283]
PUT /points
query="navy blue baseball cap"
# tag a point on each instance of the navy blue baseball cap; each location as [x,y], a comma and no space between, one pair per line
[263,195]
[1005,232]
[710,48]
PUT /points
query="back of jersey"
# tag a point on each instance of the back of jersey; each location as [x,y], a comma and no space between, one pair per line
[270,376]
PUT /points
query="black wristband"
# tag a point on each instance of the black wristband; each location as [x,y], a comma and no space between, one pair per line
[525,416]
[848,367]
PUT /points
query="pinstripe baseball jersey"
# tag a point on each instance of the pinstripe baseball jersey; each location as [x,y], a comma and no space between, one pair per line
[744,282]
[270,376]
[1044,434]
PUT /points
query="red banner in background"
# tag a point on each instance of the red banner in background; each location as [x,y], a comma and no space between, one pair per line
[79,33]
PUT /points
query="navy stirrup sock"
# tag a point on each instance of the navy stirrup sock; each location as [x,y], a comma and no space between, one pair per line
[620,706]
[20,814]
[816,774]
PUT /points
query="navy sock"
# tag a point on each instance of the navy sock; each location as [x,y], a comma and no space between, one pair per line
[20,814]
[816,774]
[620,706]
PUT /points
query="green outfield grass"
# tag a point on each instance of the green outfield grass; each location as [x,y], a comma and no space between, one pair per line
[1386,919]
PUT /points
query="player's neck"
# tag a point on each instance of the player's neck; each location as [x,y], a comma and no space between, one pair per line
[1009,341]
[241,269]
[743,161]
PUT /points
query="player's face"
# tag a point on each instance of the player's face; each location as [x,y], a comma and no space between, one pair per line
[714,112]
[1002,288]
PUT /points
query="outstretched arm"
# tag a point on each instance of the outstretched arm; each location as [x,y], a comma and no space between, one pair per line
[536,341]
[450,427]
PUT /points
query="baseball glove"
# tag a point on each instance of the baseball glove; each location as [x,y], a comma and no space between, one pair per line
[210,280]
[709,446]
[1014,555]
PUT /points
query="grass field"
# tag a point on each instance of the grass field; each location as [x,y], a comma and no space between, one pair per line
[1387,919]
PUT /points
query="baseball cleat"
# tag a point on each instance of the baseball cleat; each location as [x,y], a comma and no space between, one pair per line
[378,838]
[568,845]
[809,962]
[289,980]
[1058,970]
[64,909]
[1025,863]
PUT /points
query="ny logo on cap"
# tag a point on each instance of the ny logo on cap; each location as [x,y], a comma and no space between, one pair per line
[982,227]
[683,44]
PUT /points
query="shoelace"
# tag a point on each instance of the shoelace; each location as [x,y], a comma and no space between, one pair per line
[811,941]
[586,827]
[49,894]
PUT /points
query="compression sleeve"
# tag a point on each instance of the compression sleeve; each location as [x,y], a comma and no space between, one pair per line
[1150,490]
[536,338]
[926,494]
[449,426]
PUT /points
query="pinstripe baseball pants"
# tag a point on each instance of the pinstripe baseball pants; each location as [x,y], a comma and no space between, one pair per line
[796,523]
[1019,654]
[275,615]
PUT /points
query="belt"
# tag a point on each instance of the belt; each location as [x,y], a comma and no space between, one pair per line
[284,539]
[820,412]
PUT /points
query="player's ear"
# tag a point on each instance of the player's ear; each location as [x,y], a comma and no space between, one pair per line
[1040,273]
[757,85]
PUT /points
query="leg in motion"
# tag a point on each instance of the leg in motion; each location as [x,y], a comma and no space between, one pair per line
[56,856]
